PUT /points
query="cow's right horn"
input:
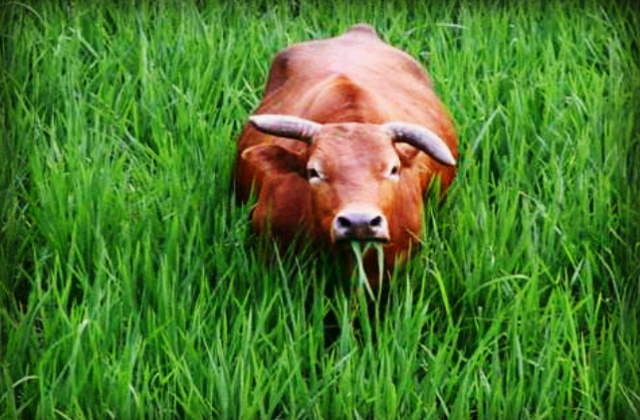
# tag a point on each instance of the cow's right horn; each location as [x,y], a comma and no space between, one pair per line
[421,138]
[286,126]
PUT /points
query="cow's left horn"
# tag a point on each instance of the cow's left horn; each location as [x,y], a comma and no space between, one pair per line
[286,126]
[421,138]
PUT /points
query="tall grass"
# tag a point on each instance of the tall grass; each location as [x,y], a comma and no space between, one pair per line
[132,286]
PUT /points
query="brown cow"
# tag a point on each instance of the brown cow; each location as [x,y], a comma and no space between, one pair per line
[347,139]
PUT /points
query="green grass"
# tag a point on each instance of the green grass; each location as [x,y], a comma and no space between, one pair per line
[132,286]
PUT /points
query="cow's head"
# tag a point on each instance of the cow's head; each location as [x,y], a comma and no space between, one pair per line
[353,169]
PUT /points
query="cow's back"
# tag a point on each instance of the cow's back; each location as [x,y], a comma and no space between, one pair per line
[400,86]
[359,54]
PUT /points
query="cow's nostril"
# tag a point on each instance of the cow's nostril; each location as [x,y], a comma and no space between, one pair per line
[361,226]
[343,222]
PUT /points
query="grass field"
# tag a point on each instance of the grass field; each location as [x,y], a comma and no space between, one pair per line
[131,285]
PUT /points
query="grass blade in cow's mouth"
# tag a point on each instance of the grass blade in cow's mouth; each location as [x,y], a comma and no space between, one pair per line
[360,250]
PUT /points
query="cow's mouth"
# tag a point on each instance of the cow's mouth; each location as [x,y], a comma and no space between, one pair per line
[360,250]
[361,240]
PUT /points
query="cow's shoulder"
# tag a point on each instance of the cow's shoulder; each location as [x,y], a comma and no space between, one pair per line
[278,74]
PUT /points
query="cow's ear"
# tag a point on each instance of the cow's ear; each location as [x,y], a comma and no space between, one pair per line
[270,157]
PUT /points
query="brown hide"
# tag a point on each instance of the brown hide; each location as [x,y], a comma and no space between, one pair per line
[350,84]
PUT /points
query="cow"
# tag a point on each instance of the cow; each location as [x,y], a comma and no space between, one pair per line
[344,145]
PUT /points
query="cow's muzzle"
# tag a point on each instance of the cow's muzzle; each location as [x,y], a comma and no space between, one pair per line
[360,226]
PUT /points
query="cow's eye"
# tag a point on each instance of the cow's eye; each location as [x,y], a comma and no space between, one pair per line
[312,174]
[394,173]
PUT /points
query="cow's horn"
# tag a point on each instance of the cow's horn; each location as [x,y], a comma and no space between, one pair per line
[286,126]
[421,138]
